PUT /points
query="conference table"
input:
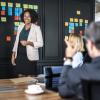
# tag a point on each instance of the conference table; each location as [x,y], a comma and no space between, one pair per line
[19,93]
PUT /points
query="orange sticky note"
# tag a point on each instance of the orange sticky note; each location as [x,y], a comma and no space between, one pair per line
[2,12]
[73,31]
[8,38]
[16,17]
[66,23]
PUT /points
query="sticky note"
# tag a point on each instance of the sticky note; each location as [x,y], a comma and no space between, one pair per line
[10,4]
[3,8]
[76,24]
[70,30]
[16,18]
[8,38]
[16,23]
[10,11]
[31,7]
[81,20]
[86,21]
[3,19]
[25,5]
[20,11]
[35,6]
[78,12]
[2,12]
[71,20]
[15,28]
[3,3]
[75,19]
[18,5]
[73,31]
[80,24]
[66,23]
[71,24]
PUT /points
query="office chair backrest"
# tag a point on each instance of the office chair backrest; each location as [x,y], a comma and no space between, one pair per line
[52,74]
[91,89]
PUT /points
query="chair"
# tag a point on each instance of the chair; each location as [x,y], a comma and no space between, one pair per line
[52,74]
[91,89]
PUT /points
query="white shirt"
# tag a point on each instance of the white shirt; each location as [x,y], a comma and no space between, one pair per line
[77,60]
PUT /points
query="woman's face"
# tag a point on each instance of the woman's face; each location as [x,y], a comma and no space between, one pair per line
[27,18]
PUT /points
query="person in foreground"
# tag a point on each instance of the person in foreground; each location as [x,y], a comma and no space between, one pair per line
[70,79]
[25,51]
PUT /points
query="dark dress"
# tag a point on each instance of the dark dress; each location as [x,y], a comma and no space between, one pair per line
[23,65]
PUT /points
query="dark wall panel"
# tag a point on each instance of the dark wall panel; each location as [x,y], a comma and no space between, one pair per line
[51,28]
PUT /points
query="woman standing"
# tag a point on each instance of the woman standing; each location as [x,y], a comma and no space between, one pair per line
[28,40]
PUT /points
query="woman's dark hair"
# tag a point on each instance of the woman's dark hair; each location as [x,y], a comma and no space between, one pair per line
[33,14]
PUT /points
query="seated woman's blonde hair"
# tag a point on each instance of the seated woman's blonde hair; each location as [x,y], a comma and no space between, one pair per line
[74,38]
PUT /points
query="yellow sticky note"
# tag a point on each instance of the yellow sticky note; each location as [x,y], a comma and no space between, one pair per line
[86,21]
[3,19]
[18,5]
[81,20]
[10,4]
[78,12]
[66,38]
[66,23]
[3,3]
[71,19]
[30,6]
[16,23]
[75,19]
[20,23]
[35,6]
[25,5]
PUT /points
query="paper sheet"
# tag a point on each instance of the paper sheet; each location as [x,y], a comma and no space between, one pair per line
[23,80]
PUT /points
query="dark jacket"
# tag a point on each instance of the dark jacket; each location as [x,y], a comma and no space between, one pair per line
[70,80]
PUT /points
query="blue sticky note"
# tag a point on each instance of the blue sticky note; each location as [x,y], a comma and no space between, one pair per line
[3,8]
[10,11]
[71,24]
[76,24]
[20,11]
[15,28]
[70,31]
[80,24]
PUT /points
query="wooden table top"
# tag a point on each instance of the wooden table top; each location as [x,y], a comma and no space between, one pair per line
[21,95]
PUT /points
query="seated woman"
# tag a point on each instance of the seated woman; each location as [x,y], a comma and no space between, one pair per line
[75,39]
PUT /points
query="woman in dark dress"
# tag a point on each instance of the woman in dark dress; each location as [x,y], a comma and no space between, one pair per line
[28,40]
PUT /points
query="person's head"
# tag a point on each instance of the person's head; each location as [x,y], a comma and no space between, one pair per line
[92,38]
[29,16]
[76,39]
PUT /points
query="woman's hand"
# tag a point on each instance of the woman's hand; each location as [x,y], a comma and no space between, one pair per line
[70,50]
[13,59]
[23,43]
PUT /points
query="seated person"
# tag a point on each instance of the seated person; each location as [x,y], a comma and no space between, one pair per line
[70,79]
[76,39]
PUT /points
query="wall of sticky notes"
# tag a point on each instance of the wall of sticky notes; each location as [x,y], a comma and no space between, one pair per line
[10,11]
[76,16]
